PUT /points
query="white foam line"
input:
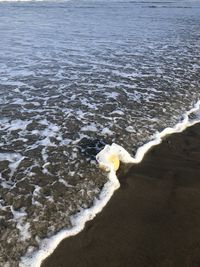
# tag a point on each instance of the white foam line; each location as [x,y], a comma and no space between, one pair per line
[48,245]
[124,156]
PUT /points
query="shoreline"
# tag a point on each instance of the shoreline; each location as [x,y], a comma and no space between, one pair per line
[162,215]
[49,245]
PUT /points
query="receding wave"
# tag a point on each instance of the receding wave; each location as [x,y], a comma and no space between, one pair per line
[48,245]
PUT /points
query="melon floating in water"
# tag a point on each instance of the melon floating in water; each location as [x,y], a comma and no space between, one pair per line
[109,158]
[113,161]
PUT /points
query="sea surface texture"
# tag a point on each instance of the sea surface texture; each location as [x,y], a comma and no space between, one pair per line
[75,76]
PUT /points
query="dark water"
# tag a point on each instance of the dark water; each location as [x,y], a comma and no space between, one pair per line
[74,76]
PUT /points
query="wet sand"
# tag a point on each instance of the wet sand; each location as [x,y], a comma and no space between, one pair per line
[152,220]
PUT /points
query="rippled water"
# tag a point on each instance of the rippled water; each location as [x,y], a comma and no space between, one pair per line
[75,76]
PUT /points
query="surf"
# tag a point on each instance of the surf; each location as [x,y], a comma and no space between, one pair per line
[108,159]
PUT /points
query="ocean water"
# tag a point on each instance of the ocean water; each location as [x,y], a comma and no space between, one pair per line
[75,76]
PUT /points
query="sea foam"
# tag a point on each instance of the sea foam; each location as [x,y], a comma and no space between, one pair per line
[48,245]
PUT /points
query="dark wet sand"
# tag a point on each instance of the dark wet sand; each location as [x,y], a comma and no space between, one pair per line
[152,220]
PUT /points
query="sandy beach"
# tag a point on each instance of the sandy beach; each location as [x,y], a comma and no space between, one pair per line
[152,220]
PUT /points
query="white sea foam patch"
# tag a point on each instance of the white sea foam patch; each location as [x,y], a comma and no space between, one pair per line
[22,226]
[14,160]
[13,125]
[48,245]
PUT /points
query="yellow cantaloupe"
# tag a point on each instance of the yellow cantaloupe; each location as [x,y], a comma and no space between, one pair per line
[111,160]
[114,160]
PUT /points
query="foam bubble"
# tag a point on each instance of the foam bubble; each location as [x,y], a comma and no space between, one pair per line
[92,128]
[107,131]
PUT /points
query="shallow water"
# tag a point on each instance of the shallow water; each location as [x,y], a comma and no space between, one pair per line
[74,76]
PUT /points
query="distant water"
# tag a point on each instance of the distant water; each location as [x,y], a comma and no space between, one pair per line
[75,76]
